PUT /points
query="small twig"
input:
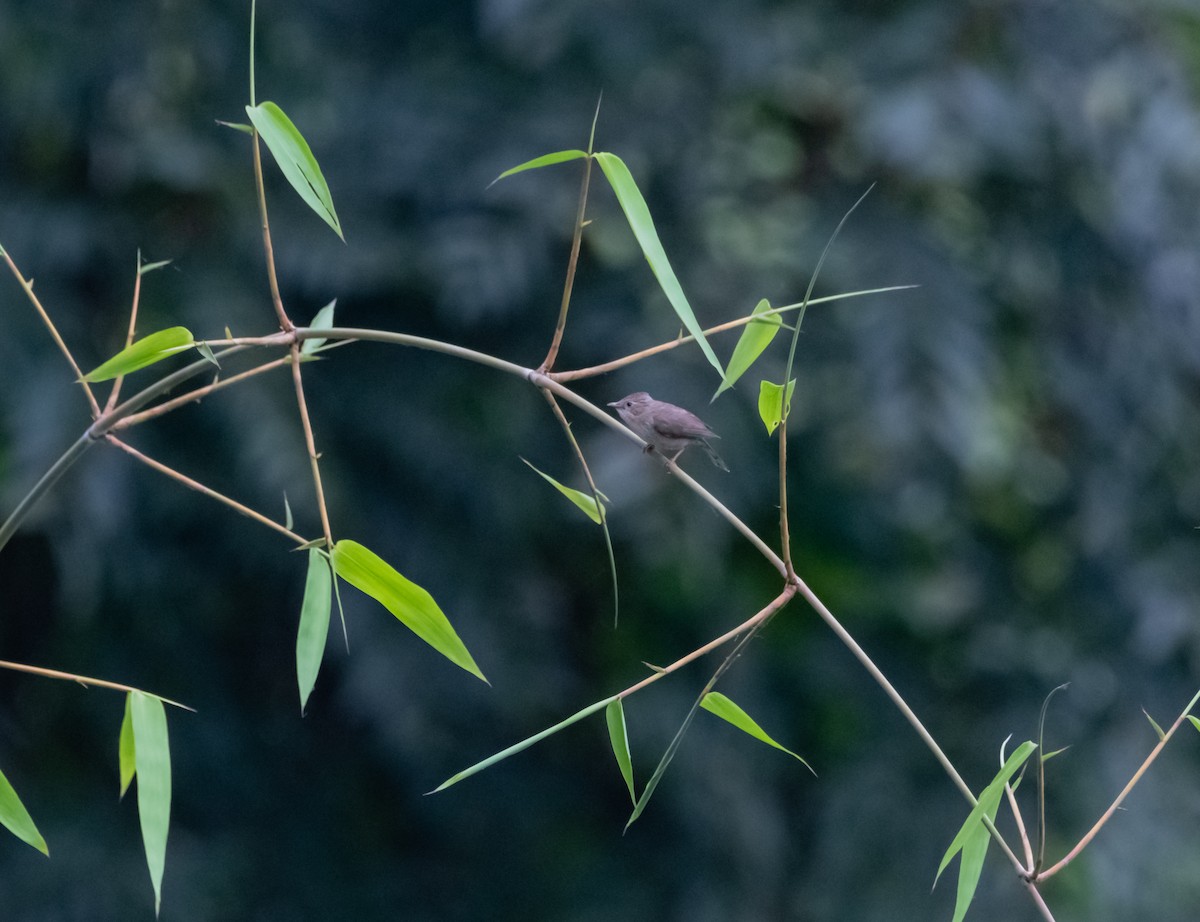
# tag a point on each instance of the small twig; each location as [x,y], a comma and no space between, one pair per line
[27,287]
[207,491]
[1020,821]
[311,444]
[86,681]
[276,300]
[133,312]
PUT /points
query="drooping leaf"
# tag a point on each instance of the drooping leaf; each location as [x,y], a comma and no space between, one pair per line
[770,403]
[756,336]
[146,351]
[724,708]
[618,735]
[314,623]
[584,501]
[323,321]
[153,757]
[561,156]
[523,745]
[16,818]
[638,215]
[126,748]
[412,605]
[295,158]
[206,350]
[973,837]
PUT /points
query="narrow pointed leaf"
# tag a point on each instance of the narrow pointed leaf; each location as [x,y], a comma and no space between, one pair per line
[295,158]
[150,267]
[314,623]
[237,126]
[618,735]
[16,818]
[724,708]
[287,513]
[561,156]
[985,804]
[146,351]
[1195,722]
[638,215]
[1154,724]
[126,747]
[206,350]
[974,851]
[412,605]
[523,745]
[153,756]
[756,336]
[323,321]
[770,403]
[584,501]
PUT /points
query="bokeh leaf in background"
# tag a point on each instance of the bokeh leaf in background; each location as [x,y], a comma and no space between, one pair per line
[153,758]
[642,225]
[314,623]
[145,351]
[412,605]
[295,158]
[16,818]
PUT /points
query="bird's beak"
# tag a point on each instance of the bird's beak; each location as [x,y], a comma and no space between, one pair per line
[614,403]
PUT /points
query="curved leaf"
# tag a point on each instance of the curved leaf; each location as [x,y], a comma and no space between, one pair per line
[16,818]
[618,735]
[584,501]
[412,605]
[295,158]
[642,225]
[323,321]
[756,336]
[561,156]
[153,758]
[723,707]
[146,351]
[314,623]
[770,403]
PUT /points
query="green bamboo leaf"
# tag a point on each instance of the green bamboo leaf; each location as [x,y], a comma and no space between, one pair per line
[295,158]
[584,501]
[770,403]
[642,225]
[237,126]
[1195,722]
[206,350]
[323,321]
[287,513]
[16,818]
[618,735]
[126,748]
[561,156]
[146,351]
[756,336]
[314,623]
[412,605]
[153,757]
[150,267]
[723,707]
[974,837]
[523,745]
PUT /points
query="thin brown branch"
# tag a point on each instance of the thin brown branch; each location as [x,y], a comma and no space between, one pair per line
[133,312]
[86,681]
[27,287]
[311,444]
[572,263]
[207,491]
[269,250]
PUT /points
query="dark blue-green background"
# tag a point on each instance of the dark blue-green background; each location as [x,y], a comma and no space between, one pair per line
[995,477]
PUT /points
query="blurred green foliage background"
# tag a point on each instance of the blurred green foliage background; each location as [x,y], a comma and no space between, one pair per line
[996,476]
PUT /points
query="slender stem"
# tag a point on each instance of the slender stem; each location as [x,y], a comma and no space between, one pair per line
[27,287]
[1091,833]
[572,263]
[311,444]
[276,300]
[604,368]
[1036,896]
[1020,821]
[133,312]
[785,538]
[207,491]
[86,681]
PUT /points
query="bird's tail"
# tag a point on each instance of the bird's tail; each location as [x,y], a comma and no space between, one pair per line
[715,458]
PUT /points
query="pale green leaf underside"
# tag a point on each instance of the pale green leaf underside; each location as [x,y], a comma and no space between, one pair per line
[584,501]
[756,336]
[295,158]
[618,735]
[314,623]
[16,818]
[153,757]
[323,321]
[412,605]
[561,156]
[146,351]
[638,215]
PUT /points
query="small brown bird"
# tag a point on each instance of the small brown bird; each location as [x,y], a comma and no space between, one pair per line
[667,429]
